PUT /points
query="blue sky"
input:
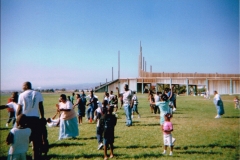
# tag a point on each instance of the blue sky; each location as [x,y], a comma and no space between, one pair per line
[54,42]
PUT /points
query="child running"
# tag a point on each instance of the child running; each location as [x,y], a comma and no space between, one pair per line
[167,129]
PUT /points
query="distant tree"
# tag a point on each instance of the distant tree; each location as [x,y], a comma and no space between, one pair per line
[63,89]
[76,90]
[182,89]
[202,90]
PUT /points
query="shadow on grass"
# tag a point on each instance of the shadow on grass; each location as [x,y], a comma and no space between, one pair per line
[146,156]
[199,152]
[229,146]
[152,124]
[69,156]
[231,117]
[65,144]
[137,146]
[185,117]
[177,112]
[5,157]
[100,155]
[87,138]
[2,129]
[153,116]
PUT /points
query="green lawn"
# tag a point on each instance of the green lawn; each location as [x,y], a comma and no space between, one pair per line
[198,134]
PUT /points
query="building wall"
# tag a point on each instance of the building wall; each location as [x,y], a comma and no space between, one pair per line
[223,86]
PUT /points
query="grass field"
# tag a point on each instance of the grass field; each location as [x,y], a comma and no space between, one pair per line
[198,134]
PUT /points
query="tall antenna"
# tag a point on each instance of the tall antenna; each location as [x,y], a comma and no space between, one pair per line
[143,64]
[140,59]
[141,53]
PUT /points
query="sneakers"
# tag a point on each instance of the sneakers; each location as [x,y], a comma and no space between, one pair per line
[132,116]
[170,154]
[174,109]
[139,116]
[100,146]
[6,124]
[218,116]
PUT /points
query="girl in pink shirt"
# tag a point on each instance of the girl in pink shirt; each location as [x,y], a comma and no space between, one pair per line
[167,128]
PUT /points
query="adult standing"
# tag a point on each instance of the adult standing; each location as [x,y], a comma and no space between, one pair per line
[219,104]
[30,103]
[68,120]
[127,104]
[171,96]
[151,100]
[92,106]
[156,99]
[83,102]
[81,108]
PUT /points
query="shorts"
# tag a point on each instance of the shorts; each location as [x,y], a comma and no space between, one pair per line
[168,140]
[135,108]
[107,141]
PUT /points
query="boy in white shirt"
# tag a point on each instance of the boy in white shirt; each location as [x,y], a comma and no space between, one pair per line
[18,139]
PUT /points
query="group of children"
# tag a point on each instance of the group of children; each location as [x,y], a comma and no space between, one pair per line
[165,123]
[155,98]
[18,137]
